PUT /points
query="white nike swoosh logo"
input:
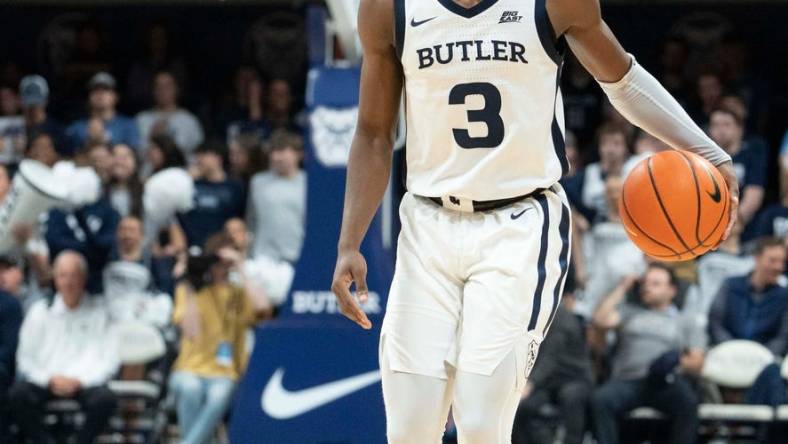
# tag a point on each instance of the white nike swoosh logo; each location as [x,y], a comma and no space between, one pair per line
[279,403]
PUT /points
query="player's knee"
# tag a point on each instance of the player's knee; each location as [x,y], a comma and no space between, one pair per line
[477,426]
[406,429]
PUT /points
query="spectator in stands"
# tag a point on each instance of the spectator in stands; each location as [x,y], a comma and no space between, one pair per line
[98,155]
[5,182]
[726,127]
[162,153]
[10,321]
[590,181]
[160,54]
[168,117]
[12,126]
[125,187]
[773,221]
[561,376]
[9,102]
[714,268]
[87,55]
[657,349]
[133,279]
[217,197]
[673,60]
[89,230]
[755,307]
[279,111]
[605,254]
[276,211]
[244,105]
[646,144]
[34,92]
[583,101]
[709,89]
[213,319]
[129,269]
[246,157]
[42,147]
[66,350]
[102,102]
[260,273]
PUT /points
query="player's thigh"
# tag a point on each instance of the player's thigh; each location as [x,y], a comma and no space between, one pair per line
[424,304]
[514,290]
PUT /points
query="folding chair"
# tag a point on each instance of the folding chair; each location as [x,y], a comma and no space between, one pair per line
[733,366]
[140,418]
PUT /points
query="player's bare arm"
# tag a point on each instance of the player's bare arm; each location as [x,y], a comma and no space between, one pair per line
[369,163]
[635,93]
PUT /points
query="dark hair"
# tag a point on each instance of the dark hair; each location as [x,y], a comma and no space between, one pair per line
[134,184]
[766,242]
[671,274]
[173,157]
[611,128]
[737,117]
[168,72]
[253,146]
[214,146]
[282,138]
[34,135]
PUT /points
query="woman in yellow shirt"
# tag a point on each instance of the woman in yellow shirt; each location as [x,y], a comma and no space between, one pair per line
[213,322]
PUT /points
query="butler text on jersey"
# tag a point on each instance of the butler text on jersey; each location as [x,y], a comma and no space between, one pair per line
[471,50]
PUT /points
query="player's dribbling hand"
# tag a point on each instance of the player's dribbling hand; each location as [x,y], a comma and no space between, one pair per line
[727,171]
[351,267]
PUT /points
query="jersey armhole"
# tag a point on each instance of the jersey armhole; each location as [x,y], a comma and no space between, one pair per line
[553,46]
[399,26]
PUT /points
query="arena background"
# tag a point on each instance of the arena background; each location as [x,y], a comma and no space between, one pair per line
[309,344]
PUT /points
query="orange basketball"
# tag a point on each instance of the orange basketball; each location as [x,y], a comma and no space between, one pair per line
[674,205]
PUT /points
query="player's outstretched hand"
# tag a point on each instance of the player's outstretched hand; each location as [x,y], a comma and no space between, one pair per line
[351,267]
[727,171]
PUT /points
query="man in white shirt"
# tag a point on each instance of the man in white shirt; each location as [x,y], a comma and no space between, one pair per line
[167,117]
[66,350]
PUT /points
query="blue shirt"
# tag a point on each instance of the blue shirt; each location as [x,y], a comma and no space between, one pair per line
[89,230]
[10,322]
[750,163]
[741,312]
[214,204]
[773,221]
[119,129]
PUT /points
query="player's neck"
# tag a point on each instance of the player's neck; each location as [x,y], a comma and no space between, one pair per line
[758,280]
[467,3]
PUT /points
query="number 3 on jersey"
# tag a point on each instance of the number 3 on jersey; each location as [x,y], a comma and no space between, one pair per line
[490,115]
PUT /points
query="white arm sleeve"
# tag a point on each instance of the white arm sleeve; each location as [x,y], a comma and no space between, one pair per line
[640,98]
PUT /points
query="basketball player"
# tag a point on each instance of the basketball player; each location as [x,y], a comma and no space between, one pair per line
[484,246]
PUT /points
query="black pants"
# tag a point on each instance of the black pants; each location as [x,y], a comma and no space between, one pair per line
[615,398]
[3,411]
[571,398]
[27,401]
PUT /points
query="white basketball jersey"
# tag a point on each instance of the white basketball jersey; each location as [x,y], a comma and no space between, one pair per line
[484,112]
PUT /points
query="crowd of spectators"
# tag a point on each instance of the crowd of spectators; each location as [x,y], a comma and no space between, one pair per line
[633,332]
[630,332]
[209,273]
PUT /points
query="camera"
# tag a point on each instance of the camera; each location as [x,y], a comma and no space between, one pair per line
[198,267]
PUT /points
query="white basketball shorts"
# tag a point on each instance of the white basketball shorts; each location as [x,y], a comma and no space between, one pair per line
[470,287]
